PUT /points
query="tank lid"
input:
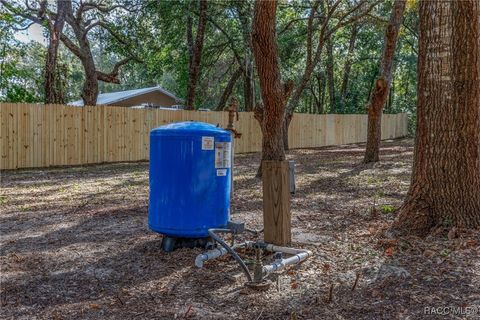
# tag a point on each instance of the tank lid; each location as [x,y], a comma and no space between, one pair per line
[189,128]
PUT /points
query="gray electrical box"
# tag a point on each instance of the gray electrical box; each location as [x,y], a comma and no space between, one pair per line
[291,176]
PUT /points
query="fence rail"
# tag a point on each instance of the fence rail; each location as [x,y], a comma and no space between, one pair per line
[51,135]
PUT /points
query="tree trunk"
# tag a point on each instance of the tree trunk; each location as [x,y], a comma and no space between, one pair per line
[90,84]
[82,50]
[445,187]
[276,199]
[248,93]
[321,91]
[272,90]
[196,54]
[54,94]
[228,89]
[348,66]
[244,10]
[330,78]
[382,84]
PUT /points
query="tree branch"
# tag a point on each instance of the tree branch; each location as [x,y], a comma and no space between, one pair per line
[71,46]
[112,76]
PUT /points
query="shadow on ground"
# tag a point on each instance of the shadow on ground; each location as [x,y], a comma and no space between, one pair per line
[75,245]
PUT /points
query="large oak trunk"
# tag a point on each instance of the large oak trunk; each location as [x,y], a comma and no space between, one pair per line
[445,187]
[382,84]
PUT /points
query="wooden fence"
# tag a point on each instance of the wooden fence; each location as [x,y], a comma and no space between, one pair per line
[51,135]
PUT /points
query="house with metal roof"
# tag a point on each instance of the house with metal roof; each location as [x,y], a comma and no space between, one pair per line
[151,97]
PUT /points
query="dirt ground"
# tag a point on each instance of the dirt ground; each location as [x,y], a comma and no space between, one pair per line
[75,245]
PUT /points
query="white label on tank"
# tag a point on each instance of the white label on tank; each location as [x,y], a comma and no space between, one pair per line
[221,172]
[207,143]
[223,154]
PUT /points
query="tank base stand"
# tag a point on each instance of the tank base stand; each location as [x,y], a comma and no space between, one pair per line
[171,243]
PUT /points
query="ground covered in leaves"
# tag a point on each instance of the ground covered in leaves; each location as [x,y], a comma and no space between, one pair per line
[75,244]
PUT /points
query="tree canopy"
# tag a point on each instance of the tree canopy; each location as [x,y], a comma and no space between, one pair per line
[155,35]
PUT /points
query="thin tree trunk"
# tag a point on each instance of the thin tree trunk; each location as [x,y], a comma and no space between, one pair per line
[228,89]
[348,65]
[273,95]
[244,14]
[196,54]
[330,77]
[53,94]
[321,91]
[248,93]
[382,84]
[276,198]
[445,187]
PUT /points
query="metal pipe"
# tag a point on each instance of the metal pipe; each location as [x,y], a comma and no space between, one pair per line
[237,258]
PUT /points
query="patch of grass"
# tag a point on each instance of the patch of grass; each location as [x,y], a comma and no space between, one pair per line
[372,180]
[387,208]
[3,200]
[447,222]
[445,253]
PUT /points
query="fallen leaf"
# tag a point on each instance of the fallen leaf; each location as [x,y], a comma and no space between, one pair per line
[389,251]
[428,253]
[452,234]
[294,285]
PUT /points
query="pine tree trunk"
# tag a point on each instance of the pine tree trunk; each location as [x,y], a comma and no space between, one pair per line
[445,187]
[382,84]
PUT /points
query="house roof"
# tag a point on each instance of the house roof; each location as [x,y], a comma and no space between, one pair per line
[113,97]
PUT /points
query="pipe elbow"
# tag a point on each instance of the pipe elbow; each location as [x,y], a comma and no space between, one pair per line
[200,260]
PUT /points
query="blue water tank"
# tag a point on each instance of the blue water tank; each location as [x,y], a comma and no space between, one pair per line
[190,179]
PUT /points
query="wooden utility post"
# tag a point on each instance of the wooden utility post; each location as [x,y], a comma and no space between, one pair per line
[276,202]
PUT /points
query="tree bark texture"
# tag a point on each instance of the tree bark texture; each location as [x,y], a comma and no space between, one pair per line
[53,90]
[195,53]
[445,185]
[273,95]
[382,84]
